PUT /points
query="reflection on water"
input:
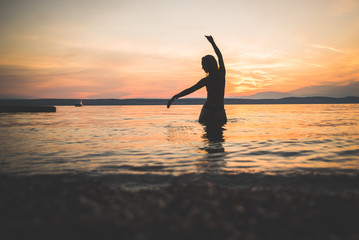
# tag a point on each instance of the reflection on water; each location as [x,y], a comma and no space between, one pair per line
[152,139]
[213,138]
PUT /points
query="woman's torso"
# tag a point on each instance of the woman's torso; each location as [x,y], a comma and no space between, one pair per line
[215,90]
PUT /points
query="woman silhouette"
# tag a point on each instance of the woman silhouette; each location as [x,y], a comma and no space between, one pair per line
[215,81]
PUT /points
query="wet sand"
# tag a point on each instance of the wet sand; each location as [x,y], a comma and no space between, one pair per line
[194,206]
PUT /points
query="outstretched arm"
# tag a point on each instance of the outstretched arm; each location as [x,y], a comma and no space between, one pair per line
[187,91]
[217,51]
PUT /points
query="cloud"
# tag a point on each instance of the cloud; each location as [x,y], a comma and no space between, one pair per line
[94,72]
[324,47]
[137,48]
[289,71]
[342,7]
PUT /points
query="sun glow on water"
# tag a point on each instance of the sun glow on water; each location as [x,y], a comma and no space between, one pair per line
[270,139]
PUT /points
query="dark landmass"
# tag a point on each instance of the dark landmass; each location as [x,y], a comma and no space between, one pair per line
[351,89]
[244,206]
[184,101]
[17,108]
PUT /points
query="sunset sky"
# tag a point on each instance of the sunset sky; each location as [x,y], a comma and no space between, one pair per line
[153,49]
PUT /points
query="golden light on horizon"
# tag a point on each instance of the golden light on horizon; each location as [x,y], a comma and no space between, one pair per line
[121,49]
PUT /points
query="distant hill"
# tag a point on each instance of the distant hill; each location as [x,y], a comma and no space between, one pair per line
[184,101]
[268,95]
[295,100]
[312,91]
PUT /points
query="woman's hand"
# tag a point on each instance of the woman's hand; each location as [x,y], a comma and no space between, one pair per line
[209,38]
[171,101]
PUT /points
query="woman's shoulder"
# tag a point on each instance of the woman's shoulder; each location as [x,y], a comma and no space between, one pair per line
[222,71]
[205,79]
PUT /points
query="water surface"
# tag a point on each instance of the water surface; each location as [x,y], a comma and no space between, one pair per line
[100,140]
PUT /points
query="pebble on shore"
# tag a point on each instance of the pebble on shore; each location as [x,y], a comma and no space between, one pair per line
[61,207]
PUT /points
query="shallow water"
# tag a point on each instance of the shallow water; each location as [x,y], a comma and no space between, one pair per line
[100,140]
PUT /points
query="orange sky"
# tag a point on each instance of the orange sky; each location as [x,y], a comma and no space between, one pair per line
[153,49]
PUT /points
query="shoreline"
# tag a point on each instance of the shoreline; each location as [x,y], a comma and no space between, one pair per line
[182,101]
[194,206]
[20,109]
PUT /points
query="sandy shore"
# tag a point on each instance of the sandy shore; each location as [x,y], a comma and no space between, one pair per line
[245,206]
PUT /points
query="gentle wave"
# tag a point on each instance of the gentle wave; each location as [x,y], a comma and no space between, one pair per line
[270,139]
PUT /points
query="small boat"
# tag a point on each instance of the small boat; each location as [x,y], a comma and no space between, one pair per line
[79,104]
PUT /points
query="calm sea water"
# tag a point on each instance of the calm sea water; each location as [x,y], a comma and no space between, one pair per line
[270,139]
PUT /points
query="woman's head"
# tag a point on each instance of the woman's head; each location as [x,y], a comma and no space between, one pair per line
[209,64]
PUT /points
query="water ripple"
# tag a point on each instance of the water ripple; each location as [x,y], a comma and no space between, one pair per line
[105,139]
[280,153]
[349,153]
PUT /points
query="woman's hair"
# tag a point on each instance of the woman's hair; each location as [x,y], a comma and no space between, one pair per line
[209,64]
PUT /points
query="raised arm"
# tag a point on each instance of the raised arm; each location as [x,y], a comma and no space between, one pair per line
[218,53]
[187,91]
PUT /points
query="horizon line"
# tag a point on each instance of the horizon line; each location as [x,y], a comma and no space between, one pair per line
[188,98]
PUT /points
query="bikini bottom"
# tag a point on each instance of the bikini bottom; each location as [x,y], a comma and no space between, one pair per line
[215,115]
